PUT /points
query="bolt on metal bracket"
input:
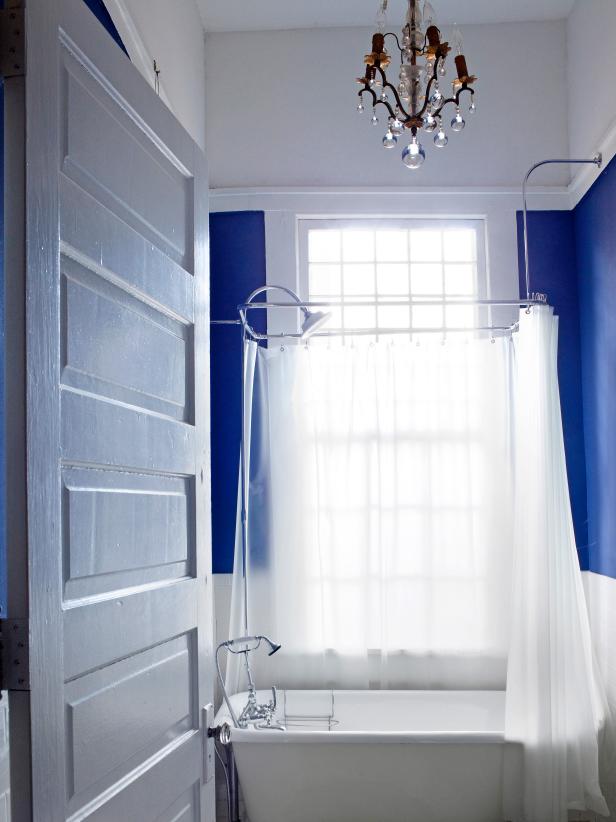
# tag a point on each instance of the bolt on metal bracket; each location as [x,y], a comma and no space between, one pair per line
[14,655]
[12,42]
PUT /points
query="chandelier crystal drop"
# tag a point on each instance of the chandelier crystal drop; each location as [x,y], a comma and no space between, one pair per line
[390,140]
[418,99]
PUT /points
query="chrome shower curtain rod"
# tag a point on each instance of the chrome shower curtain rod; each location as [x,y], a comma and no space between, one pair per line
[359,332]
[597,160]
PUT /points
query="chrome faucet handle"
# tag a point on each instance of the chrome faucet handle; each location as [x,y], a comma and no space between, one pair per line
[270,723]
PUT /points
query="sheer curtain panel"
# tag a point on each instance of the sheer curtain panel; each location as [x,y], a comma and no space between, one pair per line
[380,514]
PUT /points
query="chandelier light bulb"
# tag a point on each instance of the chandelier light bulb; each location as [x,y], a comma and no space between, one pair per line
[457,41]
[429,15]
[413,155]
[381,17]
[458,122]
[440,138]
[390,140]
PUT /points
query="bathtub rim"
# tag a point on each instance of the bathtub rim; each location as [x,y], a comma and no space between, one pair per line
[306,735]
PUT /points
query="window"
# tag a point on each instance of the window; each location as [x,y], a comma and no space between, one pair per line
[378,270]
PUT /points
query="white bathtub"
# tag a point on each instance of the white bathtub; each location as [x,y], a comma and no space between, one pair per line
[416,756]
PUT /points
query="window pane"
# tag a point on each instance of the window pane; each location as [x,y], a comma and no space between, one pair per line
[426,279]
[358,246]
[392,278]
[324,280]
[324,246]
[459,245]
[460,316]
[335,320]
[392,246]
[360,317]
[403,260]
[394,316]
[359,280]
[425,246]
[427,316]
[460,279]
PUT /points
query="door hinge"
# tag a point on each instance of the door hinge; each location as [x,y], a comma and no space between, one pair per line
[14,655]
[12,41]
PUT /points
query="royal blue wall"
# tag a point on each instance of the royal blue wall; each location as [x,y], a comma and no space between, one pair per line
[553,269]
[237,267]
[97,7]
[595,234]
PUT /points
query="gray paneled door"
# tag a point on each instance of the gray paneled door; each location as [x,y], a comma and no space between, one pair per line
[117,436]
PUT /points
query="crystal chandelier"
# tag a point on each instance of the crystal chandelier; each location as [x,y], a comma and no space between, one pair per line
[417,100]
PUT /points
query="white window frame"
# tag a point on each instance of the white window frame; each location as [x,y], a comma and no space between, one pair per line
[306,224]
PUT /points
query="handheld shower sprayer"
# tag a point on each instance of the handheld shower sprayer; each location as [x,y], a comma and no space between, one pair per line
[245,645]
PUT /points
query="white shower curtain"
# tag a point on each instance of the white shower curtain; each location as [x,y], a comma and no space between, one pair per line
[380,533]
[556,707]
[395,493]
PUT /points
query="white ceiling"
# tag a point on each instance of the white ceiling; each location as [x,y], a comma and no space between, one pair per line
[258,15]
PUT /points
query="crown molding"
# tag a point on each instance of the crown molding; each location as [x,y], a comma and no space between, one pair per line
[588,175]
[387,201]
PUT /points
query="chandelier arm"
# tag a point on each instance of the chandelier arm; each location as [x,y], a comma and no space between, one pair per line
[387,84]
[375,100]
[369,90]
[455,99]
[428,87]
[395,36]
[387,106]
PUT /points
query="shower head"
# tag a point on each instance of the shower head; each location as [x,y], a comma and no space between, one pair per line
[273,645]
[313,320]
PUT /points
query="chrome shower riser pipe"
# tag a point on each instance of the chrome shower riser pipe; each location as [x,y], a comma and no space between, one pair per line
[597,160]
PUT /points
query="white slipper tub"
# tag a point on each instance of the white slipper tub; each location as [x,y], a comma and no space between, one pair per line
[380,756]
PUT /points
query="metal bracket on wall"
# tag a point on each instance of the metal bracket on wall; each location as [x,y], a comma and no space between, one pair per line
[12,40]
[14,655]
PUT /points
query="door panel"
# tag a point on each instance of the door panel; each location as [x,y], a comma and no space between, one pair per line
[117,440]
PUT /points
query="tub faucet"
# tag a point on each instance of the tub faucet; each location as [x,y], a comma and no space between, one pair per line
[252,711]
